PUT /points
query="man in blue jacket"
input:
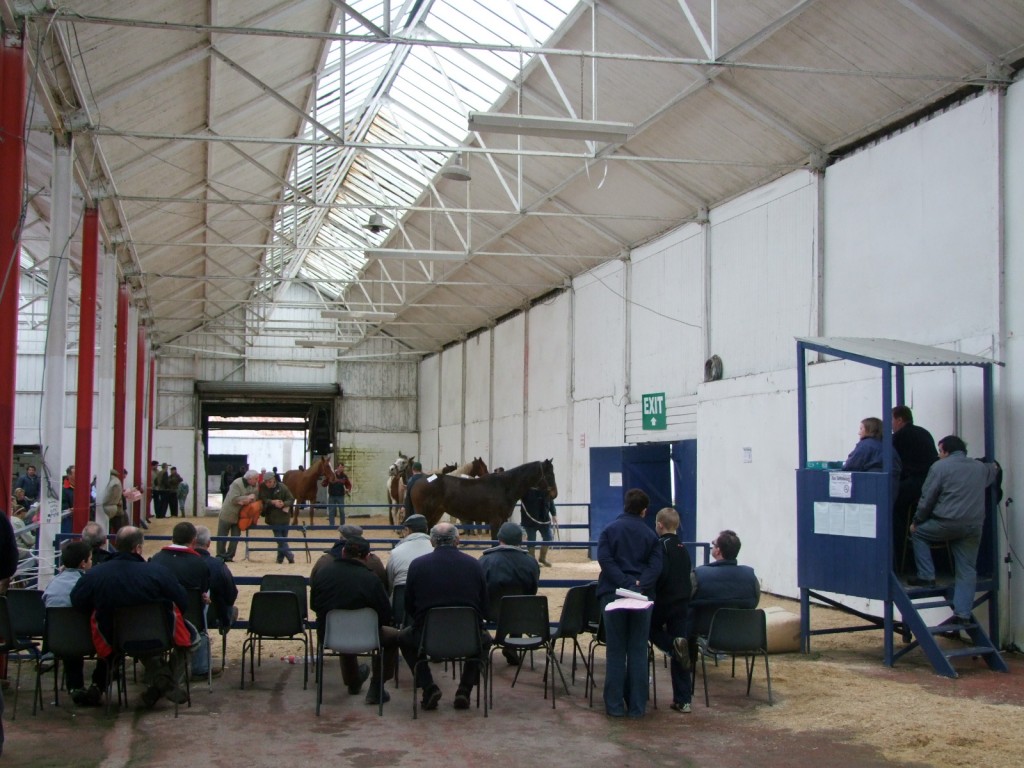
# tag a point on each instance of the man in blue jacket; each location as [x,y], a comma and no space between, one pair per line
[722,583]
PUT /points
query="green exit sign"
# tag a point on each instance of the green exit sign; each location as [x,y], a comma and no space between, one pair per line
[654,411]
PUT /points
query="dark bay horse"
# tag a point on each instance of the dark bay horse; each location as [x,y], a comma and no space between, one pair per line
[303,483]
[489,499]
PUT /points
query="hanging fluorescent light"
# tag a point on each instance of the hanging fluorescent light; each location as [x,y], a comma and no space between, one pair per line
[554,127]
[356,314]
[323,343]
[401,253]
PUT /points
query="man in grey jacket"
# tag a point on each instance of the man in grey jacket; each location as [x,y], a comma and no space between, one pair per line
[952,510]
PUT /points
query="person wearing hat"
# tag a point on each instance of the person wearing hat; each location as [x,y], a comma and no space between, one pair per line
[160,491]
[342,580]
[415,543]
[509,570]
[112,501]
[417,475]
[371,561]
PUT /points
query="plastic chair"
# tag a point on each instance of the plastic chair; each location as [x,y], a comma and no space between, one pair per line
[599,640]
[350,632]
[283,582]
[572,623]
[141,632]
[28,613]
[737,632]
[274,616]
[67,634]
[452,634]
[15,647]
[523,626]
[195,614]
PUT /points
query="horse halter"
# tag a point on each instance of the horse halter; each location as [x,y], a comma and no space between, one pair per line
[544,485]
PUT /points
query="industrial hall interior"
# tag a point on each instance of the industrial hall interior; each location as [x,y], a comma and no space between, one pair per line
[686,245]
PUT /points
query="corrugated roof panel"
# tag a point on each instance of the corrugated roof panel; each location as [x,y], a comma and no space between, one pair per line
[896,352]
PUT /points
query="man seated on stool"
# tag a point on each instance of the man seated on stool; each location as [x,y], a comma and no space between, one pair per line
[952,510]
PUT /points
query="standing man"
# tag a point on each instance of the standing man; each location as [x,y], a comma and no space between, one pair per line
[415,543]
[342,580]
[415,477]
[242,491]
[952,510]
[445,577]
[277,503]
[171,483]
[336,495]
[630,557]
[160,491]
[671,605]
[112,501]
[538,514]
[29,483]
[916,449]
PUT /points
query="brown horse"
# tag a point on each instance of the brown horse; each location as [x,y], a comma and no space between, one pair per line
[304,483]
[489,499]
[474,468]
[394,489]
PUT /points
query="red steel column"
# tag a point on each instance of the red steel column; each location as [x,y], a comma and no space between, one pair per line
[120,379]
[12,148]
[86,368]
[151,395]
[141,471]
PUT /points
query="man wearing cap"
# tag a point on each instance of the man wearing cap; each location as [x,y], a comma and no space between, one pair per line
[415,542]
[277,503]
[415,477]
[509,570]
[342,580]
[371,561]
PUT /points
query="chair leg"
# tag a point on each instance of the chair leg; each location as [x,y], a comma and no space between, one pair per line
[768,677]
[319,677]
[704,674]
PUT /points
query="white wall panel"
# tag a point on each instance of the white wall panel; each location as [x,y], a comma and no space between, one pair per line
[599,321]
[451,386]
[666,315]
[912,232]
[478,378]
[509,379]
[549,345]
[762,275]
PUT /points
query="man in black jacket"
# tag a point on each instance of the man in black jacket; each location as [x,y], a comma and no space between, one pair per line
[916,448]
[671,604]
[342,580]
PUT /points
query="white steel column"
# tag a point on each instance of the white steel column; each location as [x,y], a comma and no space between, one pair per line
[104,440]
[55,376]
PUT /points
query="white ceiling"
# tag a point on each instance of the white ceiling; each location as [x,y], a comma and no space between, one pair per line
[228,173]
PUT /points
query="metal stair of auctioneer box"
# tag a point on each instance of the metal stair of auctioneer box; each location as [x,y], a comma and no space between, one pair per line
[912,600]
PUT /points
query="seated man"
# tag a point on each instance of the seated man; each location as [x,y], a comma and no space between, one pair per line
[445,577]
[222,611]
[374,563]
[509,570]
[76,559]
[127,580]
[722,584]
[415,542]
[181,559]
[342,580]
[94,535]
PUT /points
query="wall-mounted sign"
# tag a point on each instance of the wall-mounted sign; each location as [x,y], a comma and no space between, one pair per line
[654,411]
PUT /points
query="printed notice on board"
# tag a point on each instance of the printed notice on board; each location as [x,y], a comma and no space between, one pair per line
[614,479]
[840,485]
[840,519]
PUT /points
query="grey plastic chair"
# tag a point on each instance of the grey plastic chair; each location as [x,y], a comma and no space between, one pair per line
[354,632]
[737,632]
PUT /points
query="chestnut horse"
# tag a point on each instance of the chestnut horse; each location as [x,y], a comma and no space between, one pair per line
[489,499]
[304,483]
[394,489]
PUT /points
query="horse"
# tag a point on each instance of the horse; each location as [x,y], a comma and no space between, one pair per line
[474,468]
[489,499]
[394,488]
[303,483]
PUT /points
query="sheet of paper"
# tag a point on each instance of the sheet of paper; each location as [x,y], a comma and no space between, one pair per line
[840,485]
[628,604]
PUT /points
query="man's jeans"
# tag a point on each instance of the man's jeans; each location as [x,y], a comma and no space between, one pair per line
[625,685]
[964,542]
[335,508]
[283,550]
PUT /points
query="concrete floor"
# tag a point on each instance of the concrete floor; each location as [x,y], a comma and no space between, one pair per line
[273,724]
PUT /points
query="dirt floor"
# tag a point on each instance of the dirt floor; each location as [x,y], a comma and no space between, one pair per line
[838,705]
